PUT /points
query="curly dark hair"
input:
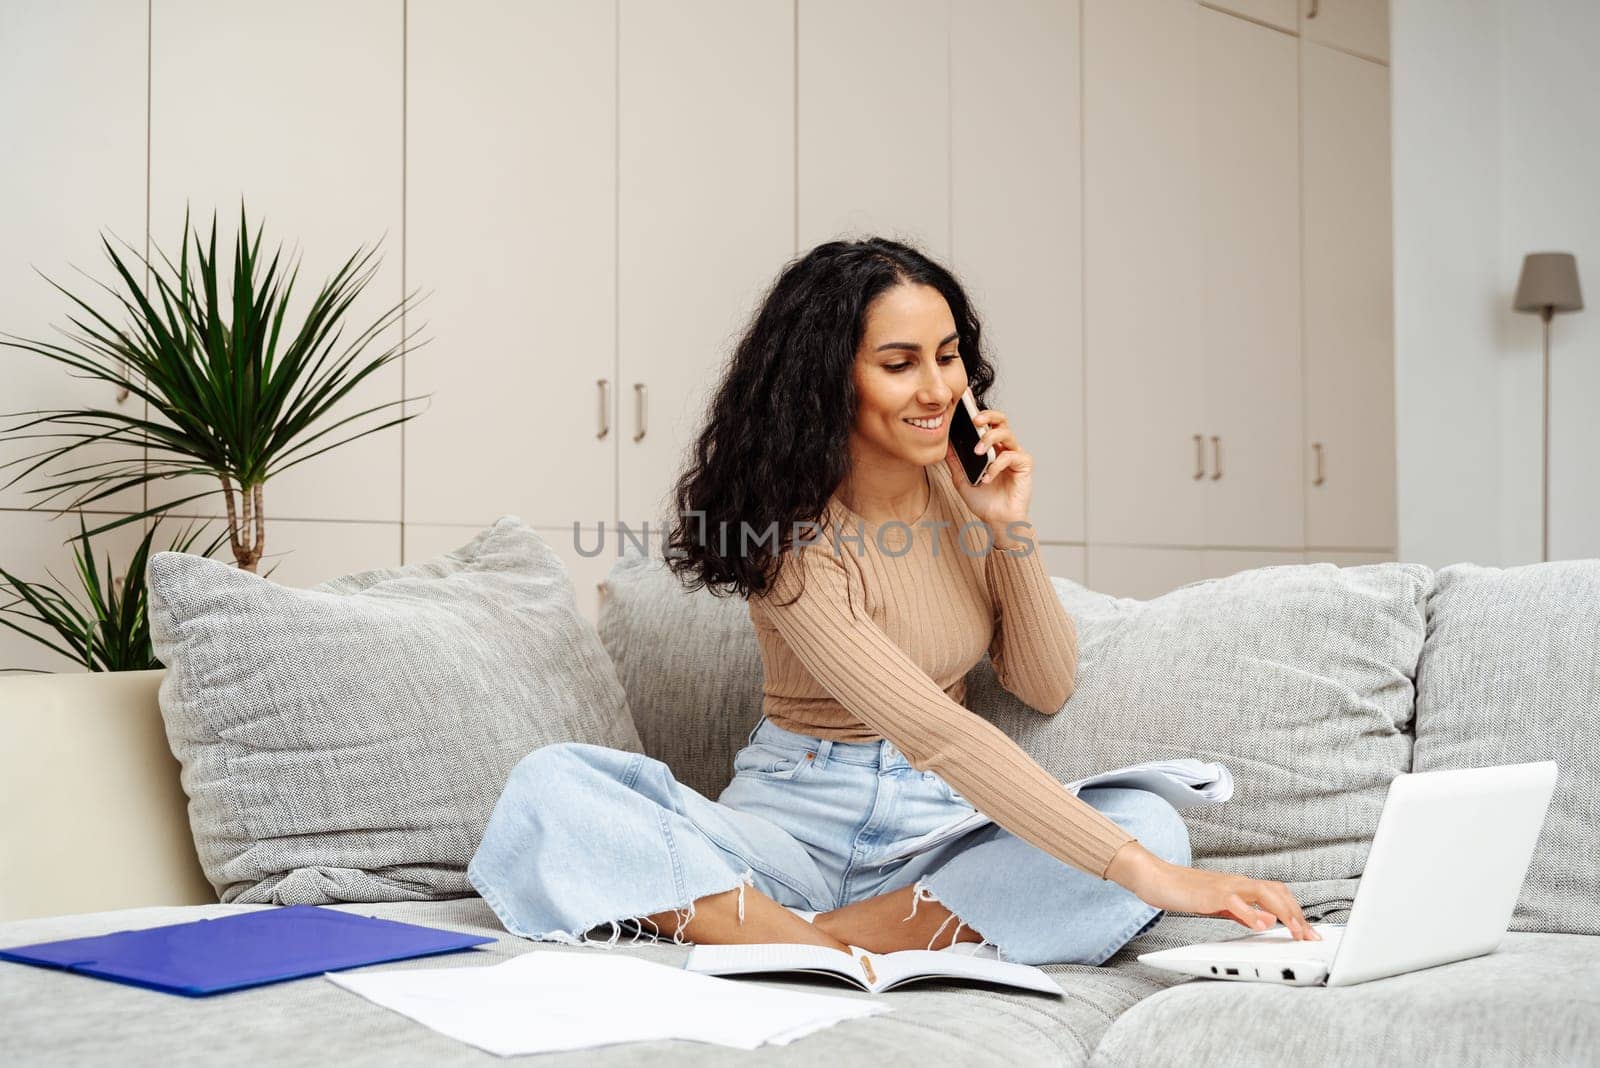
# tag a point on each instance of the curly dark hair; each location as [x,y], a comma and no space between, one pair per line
[775,442]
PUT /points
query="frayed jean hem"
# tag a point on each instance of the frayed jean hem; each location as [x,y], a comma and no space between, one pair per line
[585,935]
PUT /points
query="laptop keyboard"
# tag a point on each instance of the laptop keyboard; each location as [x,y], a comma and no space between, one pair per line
[1285,943]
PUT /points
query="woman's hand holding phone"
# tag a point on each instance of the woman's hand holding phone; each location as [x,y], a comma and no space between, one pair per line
[1005,489]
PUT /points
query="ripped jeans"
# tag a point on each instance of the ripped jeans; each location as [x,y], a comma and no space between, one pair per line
[585,838]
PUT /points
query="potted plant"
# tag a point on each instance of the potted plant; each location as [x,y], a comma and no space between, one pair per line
[231,394]
[111,632]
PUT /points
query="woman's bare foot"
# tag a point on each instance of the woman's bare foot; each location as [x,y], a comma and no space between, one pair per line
[716,921]
[881,923]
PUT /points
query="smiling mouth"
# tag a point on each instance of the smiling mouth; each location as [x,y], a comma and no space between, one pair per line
[934,429]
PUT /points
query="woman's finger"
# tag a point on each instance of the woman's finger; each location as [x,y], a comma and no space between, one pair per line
[997,438]
[1247,913]
[1288,910]
[1001,461]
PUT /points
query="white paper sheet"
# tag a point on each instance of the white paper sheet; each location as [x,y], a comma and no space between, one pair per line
[562,999]
[1183,781]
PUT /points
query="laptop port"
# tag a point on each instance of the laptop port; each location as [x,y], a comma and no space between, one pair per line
[1288,973]
[1213,969]
[1233,971]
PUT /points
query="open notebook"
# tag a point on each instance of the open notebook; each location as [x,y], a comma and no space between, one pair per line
[1183,781]
[874,972]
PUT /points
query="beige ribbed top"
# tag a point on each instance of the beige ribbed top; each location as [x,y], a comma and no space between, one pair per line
[880,642]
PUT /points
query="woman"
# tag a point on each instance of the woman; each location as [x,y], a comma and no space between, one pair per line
[825,491]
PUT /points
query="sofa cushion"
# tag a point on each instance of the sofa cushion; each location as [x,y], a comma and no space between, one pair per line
[1532,1001]
[1510,673]
[347,742]
[1297,677]
[690,665]
[55,1017]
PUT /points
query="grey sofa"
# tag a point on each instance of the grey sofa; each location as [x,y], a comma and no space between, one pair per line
[1315,684]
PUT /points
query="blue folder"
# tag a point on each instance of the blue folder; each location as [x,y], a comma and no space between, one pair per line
[248,949]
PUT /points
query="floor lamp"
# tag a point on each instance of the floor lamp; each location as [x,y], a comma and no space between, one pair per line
[1549,284]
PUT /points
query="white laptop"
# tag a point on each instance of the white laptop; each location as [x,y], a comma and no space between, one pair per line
[1441,881]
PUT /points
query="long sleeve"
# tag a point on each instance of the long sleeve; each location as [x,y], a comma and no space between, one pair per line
[829,631]
[1035,646]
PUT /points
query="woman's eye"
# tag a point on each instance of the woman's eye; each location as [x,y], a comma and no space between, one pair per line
[903,366]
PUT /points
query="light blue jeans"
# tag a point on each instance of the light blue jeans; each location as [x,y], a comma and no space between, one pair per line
[586,837]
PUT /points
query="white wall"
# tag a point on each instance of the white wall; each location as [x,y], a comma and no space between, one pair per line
[1494,156]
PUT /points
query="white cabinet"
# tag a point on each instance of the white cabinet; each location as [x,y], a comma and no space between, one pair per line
[1349,302]
[1016,230]
[72,78]
[705,218]
[1146,572]
[1249,178]
[511,231]
[1359,26]
[297,108]
[1191,202]
[1318,556]
[1141,572]
[874,122]
[1066,561]
[1284,14]
[1144,281]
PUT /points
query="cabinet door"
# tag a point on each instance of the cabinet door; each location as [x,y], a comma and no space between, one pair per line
[1250,184]
[1142,572]
[295,108]
[1349,302]
[83,139]
[874,122]
[1067,561]
[1318,556]
[1220,563]
[712,82]
[1017,238]
[1359,26]
[1283,14]
[511,211]
[589,553]
[1143,282]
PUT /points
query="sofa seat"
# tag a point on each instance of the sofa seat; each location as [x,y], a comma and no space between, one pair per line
[56,1018]
[1534,1001]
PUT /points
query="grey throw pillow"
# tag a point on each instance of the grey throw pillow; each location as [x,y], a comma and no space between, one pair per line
[690,665]
[1510,673]
[347,742]
[1298,678]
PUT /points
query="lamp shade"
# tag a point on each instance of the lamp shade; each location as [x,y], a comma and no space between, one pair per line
[1549,280]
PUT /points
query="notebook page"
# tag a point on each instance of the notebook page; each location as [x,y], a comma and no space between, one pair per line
[749,957]
[909,964]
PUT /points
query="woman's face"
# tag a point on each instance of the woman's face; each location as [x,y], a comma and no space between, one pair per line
[908,367]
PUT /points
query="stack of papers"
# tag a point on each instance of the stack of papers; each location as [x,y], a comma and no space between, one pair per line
[1184,781]
[563,999]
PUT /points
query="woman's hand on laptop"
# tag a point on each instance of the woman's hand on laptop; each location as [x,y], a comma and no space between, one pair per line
[1252,902]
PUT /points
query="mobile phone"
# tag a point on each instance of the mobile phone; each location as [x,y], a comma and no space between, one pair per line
[964,435]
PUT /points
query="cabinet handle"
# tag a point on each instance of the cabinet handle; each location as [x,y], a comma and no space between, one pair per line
[1313,12]
[640,405]
[605,406]
[1316,448]
[1216,457]
[1199,457]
